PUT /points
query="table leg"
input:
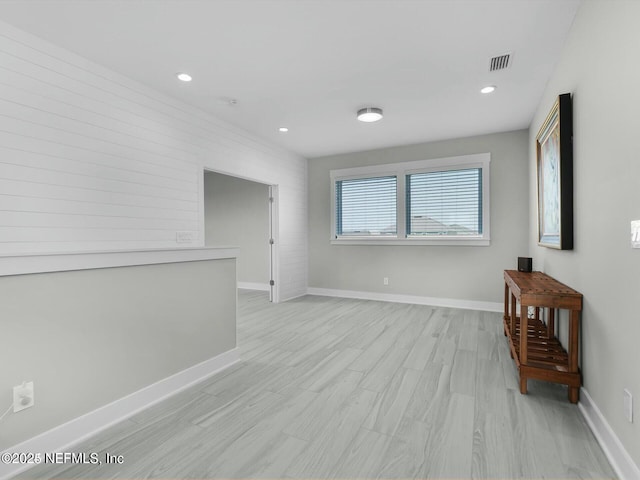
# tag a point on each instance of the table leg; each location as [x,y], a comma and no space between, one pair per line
[506,308]
[524,330]
[513,316]
[574,394]
[574,325]
[512,321]
[551,328]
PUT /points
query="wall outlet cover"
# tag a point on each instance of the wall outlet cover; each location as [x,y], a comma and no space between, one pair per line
[635,234]
[23,396]
[186,236]
[628,405]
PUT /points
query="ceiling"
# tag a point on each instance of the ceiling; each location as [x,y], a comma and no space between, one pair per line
[311,64]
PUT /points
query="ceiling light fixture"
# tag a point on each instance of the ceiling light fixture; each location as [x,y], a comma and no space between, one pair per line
[488,89]
[370,114]
[283,129]
[185,77]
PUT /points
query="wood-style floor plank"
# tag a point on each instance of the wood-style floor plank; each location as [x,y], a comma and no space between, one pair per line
[340,388]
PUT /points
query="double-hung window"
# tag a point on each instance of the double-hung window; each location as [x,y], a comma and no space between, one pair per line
[435,202]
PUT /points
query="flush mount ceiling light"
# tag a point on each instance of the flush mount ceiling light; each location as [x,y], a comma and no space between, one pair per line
[370,114]
[488,89]
[185,77]
[283,129]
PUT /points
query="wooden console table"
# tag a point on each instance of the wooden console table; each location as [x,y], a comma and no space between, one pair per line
[538,353]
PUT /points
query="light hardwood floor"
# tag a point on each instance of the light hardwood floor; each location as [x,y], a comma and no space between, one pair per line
[340,388]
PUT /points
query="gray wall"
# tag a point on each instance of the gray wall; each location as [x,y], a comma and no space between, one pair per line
[87,338]
[459,272]
[237,213]
[599,66]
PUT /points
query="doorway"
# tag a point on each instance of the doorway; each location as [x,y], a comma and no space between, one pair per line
[241,212]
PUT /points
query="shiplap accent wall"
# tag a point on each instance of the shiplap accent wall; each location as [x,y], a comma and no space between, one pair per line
[91,160]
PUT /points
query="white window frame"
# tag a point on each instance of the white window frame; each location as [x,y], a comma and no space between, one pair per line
[400,171]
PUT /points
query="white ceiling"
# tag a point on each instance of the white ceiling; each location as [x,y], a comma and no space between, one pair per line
[310,64]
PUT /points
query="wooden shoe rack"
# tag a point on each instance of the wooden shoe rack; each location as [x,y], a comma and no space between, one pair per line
[539,354]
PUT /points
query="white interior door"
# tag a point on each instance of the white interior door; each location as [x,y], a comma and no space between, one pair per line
[273,243]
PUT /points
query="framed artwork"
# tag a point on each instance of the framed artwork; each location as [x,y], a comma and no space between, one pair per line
[554,145]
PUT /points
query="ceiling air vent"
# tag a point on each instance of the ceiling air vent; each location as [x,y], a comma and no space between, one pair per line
[500,62]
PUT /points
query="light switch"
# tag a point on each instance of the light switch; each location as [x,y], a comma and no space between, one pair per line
[635,234]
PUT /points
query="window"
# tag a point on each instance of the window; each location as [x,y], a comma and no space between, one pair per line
[445,202]
[434,202]
[366,206]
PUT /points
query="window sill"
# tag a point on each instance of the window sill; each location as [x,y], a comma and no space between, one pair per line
[469,242]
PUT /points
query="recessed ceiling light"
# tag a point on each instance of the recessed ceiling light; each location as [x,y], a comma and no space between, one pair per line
[283,129]
[370,114]
[488,89]
[185,77]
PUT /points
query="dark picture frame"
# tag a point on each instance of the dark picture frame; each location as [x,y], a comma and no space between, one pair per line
[554,151]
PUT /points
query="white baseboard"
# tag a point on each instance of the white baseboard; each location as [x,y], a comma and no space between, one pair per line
[418,300]
[264,287]
[617,455]
[65,436]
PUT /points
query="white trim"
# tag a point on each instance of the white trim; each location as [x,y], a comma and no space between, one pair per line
[274,226]
[297,296]
[64,262]
[263,287]
[65,436]
[412,167]
[617,455]
[415,299]
[440,240]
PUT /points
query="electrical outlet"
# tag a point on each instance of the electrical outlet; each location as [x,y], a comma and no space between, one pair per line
[385,281]
[186,236]
[23,396]
[628,405]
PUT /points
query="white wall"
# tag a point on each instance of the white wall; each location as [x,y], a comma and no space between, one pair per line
[468,273]
[90,160]
[237,213]
[599,67]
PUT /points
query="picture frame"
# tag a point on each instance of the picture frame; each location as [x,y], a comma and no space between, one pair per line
[554,152]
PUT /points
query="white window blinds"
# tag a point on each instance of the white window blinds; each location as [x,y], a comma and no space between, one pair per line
[444,203]
[366,207]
